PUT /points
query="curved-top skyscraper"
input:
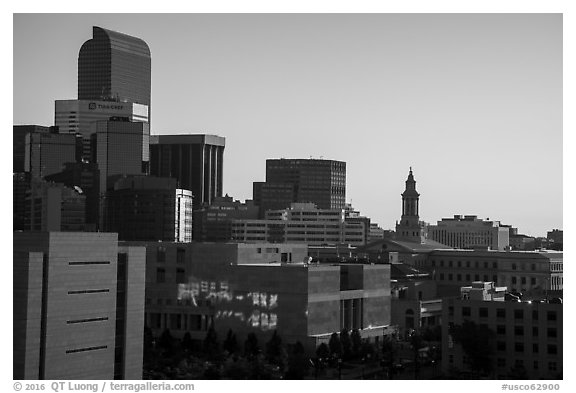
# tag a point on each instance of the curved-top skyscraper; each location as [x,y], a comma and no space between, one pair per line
[114,66]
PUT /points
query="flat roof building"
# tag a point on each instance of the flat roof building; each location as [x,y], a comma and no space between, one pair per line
[196,161]
[78,307]
[470,232]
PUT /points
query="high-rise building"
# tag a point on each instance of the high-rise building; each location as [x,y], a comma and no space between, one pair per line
[149,208]
[84,177]
[120,147]
[410,228]
[194,160]
[54,207]
[78,306]
[322,182]
[19,143]
[113,65]
[46,153]
[79,117]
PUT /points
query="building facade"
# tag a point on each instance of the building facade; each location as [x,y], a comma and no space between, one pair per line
[121,147]
[303,223]
[322,182]
[113,65]
[470,232]
[261,288]
[78,307]
[149,208]
[526,337]
[196,161]
[46,153]
[19,133]
[213,222]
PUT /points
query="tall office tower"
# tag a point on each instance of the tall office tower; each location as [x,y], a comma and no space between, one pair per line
[20,185]
[54,207]
[194,160]
[149,208]
[84,177]
[120,147]
[78,306]
[113,65]
[78,117]
[19,143]
[410,228]
[46,153]
[322,182]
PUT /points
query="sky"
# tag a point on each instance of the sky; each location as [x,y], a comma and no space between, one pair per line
[472,102]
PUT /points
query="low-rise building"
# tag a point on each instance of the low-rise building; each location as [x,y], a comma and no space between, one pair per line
[261,288]
[470,232]
[526,336]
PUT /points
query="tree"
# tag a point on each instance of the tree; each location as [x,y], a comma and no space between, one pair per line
[187,343]
[210,346]
[166,341]
[346,344]
[335,345]
[417,343]
[274,348]
[297,363]
[389,352]
[356,339]
[251,347]
[230,344]
[476,342]
[322,352]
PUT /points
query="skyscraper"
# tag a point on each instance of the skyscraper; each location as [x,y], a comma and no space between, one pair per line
[194,160]
[113,65]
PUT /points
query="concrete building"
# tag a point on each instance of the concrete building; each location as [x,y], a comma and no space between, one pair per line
[114,65]
[78,117]
[78,307]
[322,182]
[213,222]
[120,147]
[196,161]
[19,133]
[410,228]
[522,242]
[555,239]
[149,208]
[261,288]
[527,336]
[303,223]
[470,232]
[46,153]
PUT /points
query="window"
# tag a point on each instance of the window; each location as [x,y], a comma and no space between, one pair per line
[180,276]
[450,276]
[501,346]
[467,263]
[459,263]
[468,278]
[459,277]
[551,315]
[449,263]
[180,253]
[501,329]
[519,363]
[485,278]
[451,311]
[552,333]
[518,314]
[532,281]
[494,265]
[552,349]
[485,265]
[514,280]
[535,365]
[483,312]
[465,311]
[513,266]
[433,263]
[161,254]
[500,313]
[441,263]
[501,362]
[533,267]
[534,315]
[552,366]
[535,348]
[518,330]
[160,275]
[518,347]
[441,276]
[535,331]
[523,280]
[476,277]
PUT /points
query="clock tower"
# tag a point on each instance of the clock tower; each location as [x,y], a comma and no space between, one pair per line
[409,228]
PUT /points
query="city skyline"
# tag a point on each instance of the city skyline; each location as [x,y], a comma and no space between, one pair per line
[402,86]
